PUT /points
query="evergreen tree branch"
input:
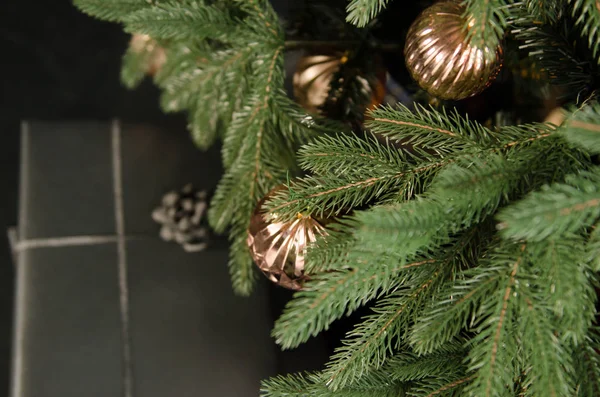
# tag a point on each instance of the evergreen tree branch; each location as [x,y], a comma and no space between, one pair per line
[555,210]
[587,17]
[428,129]
[370,343]
[593,249]
[546,11]
[494,346]
[361,12]
[331,295]
[587,365]
[435,387]
[310,385]
[112,10]
[373,340]
[583,128]
[485,22]
[551,365]
[187,20]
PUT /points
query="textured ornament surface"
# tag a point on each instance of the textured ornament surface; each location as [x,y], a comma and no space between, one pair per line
[313,77]
[278,248]
[439,57]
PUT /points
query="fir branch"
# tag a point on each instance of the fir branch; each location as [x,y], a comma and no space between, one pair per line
[555,210]
[583,128]
[242,269]
[549,46]
[587,17]
[560,284]
[361,12]
[371,342]
[494,346]
[440,387]
[336,194]
[454,309]
[112,10]
[551,369]
[546,11]
[460,196]
[188,20]
[310,385]
[331,295]
[485,22]
[587,365]
[429,129]
[347,153]
[593,249]
[446,361]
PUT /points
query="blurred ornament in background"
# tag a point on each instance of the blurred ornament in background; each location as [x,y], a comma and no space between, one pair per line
[278,248]
[182,216]
[156,55]
[314,77]
[440,58]
[556,116]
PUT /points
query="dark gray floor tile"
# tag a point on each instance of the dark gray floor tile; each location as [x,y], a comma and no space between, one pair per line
[68,338]
[67,180]
[190,335]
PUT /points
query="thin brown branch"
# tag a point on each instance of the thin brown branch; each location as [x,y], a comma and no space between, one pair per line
[425,127]
[585,126]
[581,206]
[451,386]
[503,311]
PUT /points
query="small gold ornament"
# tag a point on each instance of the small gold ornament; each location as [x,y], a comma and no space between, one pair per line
[156,55]
[313,77]
[278,248]
[439,57]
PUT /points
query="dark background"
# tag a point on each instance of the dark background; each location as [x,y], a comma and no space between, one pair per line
[57,64]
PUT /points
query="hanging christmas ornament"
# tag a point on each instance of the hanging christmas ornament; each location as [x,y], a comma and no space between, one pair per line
[314,75]
[182,216]
[154,53]
[440,58]
[278,248]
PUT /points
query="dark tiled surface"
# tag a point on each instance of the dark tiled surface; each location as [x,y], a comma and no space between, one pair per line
[68,180]
[69,323]
[153,165]
[189,332]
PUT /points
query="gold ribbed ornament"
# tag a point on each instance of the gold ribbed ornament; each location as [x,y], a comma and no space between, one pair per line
[278,248]
[313,77]
[440,58]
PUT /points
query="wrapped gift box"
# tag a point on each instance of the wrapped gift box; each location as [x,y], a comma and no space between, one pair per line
[103,306]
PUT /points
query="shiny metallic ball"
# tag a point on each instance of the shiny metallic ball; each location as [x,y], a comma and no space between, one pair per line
[440,58]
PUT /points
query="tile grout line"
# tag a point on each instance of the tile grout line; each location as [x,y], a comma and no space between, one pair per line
[122,258]
[72,241]
[21,285]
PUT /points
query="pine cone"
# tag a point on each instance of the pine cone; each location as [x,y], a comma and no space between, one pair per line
[182,217]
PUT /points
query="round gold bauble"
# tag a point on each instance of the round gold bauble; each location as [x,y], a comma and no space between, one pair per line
[313,77]
[440,58]
[156,55]
[278,248]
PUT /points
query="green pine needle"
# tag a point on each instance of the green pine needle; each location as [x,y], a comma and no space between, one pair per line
[361,12]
